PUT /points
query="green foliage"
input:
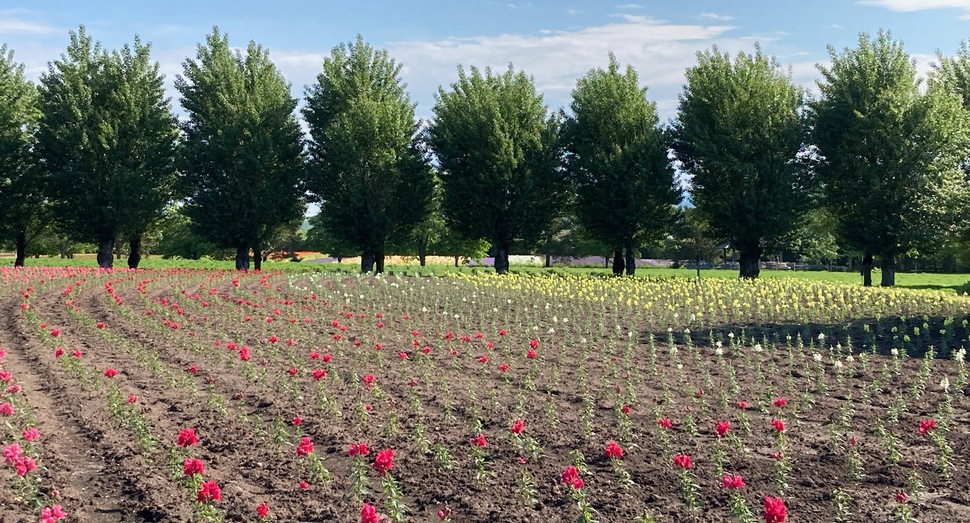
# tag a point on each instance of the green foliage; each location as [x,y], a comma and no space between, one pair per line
[366,166]
[618,160]
[106,140]
[243,151]
[20,185]
[499,162]
[739,135]
[891,153]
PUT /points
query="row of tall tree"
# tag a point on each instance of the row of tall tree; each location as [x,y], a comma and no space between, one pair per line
[96,148]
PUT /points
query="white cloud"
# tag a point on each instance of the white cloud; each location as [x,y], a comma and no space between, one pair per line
[907,6]
[719,17]
[11,23]
[629,6]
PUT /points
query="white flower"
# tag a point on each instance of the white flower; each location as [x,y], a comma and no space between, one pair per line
[895,352]
[551,331]
[686,331]
[838,365]
[817,357]
[555,319]
[680,366]
[945,385]
[731,335]
[424,309]
[960,355]
[821,336]
[757,347]
[673,350]
[849,358]
[693,317]
[719,351]
[717,344]
[670,329]
[788,338]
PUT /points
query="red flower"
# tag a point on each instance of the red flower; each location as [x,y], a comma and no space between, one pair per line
[743,405]
[531,354]
[244,354]
[6,409]
[358,449]
[732,482]
[209,492]
[444,513]
[517,426]
[305,447]
[110,373]
[502,332]
[778,425]
[368,514]
[665,423]
[262,510]
[403,355]
[479,441]
[194,369]
[304,485]
[297,421]
[314,355]
[780,402]
[132,398]
[55,332]
[384,461]
[902,497]
[926,426]
[326,358]
[369,380]
[503,367]
[426,350]
[187,437]
[319,374]
[613,450]
[192,467]
[52,514]
[76,353]
[775,510]
[534,344]
[570,476]
[683,461]
[722,428]
[59,352]
[100,325]
[483,358]
[625,409]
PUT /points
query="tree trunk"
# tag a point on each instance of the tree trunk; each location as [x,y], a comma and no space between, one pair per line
[456,262]
[548,260]
[134,256]
[422,251]
[750,260]
[117,250]
[631,261]
[21,241]
[379,258]
[888,270]
[618,264]
[867,270]
[105,254]
[367,260]
[257,258]
[502,260]
[242,258]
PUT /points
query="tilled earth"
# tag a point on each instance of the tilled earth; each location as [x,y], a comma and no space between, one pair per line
[175,339]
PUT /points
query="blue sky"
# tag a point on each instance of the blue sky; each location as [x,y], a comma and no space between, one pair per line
[555,41]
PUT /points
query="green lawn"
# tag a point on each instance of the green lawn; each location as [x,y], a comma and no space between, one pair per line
[944,282]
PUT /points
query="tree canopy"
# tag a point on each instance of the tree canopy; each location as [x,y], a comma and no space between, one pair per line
[496,145]
[739,134]
[617,158]
[243,159]
[366,166]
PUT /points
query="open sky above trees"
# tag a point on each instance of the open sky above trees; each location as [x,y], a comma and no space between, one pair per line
[553,40]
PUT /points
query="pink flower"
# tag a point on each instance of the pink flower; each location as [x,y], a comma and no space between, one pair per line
[209,492]
[925,425]
[52,514]
[902,497]
[732,482]
[780,402]
[11,452]
[187,437]
[722,428]
[132,398]
[517,426]
[23,465]
[368,514]
[30,434]
[570,476]
[262,510]
[531,354]
[6,409]
[384,461]
[305,447]
[110,373]
[444,513]
[683,461]
[743,405]
[304,485]
[613,450]
[775,510]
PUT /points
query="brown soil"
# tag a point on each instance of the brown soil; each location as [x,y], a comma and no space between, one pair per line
[95,467]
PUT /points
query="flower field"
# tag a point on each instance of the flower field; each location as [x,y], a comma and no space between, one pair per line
[192,395]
